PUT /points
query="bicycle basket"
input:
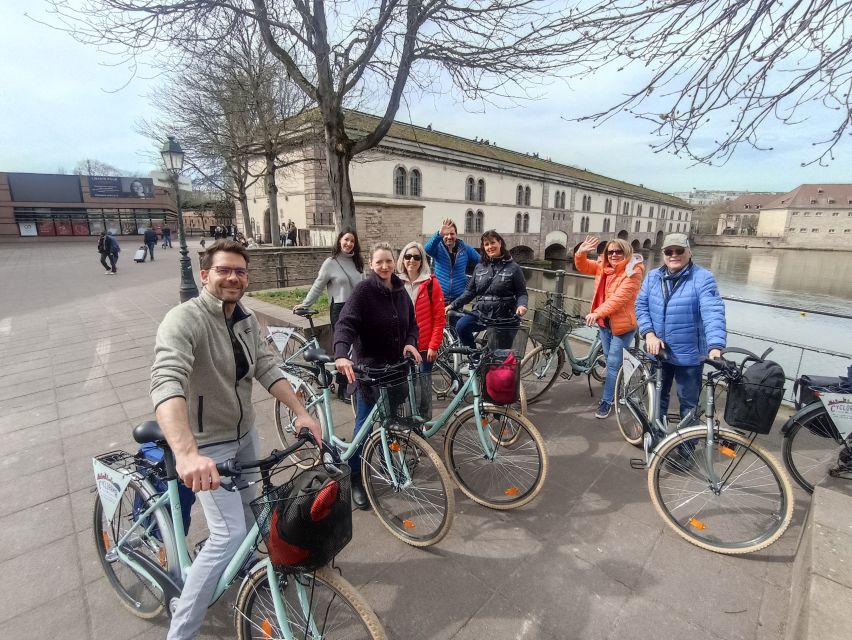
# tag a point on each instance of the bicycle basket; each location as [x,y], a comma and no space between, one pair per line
[755,396]
[500,377]
[510,337]
[398,395]
[549,326]
[306,521]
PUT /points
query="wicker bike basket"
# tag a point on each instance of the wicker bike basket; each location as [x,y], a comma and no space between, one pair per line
[550,325]
[306,521]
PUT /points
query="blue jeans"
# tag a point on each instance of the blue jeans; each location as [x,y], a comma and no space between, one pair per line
[150,246]
[612,350]
[688,381]
[362,410]
[424,399]
[467,325]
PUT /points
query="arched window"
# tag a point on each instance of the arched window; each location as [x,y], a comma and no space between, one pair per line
[470,191]
[650,226]
[526,223]
[606,224]
[636,229]
[556,199]
[639,210]
[671,214]
[480,190]
[480,220]
[626,209]
[678,227]
[584,224]
[519,197]
[468,221]
[518,222]
[608,206]
[400,178]
[670,227]
[527,194]
[679,214]
[562,201]
[415,183]
[651,213]
[663,212]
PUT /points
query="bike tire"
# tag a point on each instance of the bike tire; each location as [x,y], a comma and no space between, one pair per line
[134,593]
[442,376]
[295,342]
[421,512]
[494,483]
[342,612]
[698,514]
[811,446]
[307,456]
[539,371]
[636,389]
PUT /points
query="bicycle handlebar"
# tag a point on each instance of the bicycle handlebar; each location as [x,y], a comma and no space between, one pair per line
[233,467]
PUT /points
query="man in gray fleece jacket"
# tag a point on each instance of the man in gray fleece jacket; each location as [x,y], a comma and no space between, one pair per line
[208,351]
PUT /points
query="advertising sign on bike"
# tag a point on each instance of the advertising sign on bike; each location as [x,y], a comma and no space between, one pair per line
[630,364]
[111,484]
[839,407]
[280,336]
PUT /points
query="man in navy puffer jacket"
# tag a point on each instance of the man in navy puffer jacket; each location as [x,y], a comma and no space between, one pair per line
[679,307]
[451,256]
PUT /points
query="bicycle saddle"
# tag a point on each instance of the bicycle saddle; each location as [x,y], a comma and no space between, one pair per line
[316,355]
[148,432]
[305,312]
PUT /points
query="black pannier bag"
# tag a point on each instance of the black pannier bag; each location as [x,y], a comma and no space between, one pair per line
[803,389]
[753,400]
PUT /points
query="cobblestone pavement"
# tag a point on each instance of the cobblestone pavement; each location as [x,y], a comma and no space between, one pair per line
[589,558]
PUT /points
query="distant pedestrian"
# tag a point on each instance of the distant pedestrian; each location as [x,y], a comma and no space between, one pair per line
[112,249]
[167,237]
[102,249]
[292,234]
[150,240]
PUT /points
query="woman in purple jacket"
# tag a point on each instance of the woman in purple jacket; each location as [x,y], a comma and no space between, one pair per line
[378,321]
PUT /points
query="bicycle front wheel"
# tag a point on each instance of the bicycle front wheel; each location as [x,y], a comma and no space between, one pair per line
[812,447]
[539,370]
[332,608]
[508,477]
[413,498]
[443,374]
[749,509]
[631,401]
[155,541]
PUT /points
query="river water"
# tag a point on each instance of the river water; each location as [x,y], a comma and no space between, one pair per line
[810,280]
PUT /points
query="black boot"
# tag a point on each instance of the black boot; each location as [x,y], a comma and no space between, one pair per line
[359,496]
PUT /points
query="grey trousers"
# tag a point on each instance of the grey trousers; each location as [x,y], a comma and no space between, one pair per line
[228,519]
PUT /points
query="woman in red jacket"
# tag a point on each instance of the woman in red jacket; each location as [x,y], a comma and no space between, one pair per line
[428,299]
[618,277]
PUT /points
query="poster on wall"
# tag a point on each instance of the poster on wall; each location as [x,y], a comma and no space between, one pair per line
[28,228]
[120,187]
[46,228]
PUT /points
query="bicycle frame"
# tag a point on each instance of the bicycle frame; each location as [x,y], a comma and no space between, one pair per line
[158,579]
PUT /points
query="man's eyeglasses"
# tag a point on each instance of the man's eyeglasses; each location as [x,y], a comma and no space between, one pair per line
[615,252]
[674,252]
[227,271]
[412,256]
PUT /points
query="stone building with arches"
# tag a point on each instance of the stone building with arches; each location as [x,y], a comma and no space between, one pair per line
[418,176]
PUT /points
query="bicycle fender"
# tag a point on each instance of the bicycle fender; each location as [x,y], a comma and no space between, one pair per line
[168,585]
[686,431]
[803,413]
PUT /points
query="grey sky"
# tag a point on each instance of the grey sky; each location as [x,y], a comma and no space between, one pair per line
[62,102]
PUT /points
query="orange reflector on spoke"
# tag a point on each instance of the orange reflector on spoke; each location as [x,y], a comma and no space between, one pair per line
[394,446]
[484,422]
[107,544]
[695,522]
[163,558]
[512,491]
[727,451]
[408,524]
[266,628]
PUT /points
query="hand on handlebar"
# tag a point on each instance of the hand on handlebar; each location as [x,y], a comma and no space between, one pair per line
[591,319]
[715,354]
[307,421]
[197,472]
[413,352]
[653,344]
[346,368]
[521,310]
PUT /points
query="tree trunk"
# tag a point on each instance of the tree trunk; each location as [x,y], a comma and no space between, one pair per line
[272,196]
[243,197]
[338,157]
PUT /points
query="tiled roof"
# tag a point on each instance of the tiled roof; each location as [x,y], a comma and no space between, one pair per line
[814,195]
[751,202]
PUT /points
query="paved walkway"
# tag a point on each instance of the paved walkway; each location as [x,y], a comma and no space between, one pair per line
[589,558]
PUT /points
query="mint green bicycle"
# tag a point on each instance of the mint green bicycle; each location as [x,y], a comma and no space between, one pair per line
[141,544]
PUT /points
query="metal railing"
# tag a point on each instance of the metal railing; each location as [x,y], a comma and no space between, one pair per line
[559,278]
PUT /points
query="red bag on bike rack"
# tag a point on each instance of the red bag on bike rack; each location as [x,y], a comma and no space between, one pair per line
[502,381]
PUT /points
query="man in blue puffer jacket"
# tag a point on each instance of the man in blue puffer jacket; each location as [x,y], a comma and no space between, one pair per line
[451,256]
[679,307]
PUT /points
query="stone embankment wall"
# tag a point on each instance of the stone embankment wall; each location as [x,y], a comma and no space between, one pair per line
[276,267]
[837,242]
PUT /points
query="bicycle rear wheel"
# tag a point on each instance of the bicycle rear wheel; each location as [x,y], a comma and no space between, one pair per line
[539,370]
[334,610]
[307,456]
[516,471]
[417,504]
[750,509]
[155,542]
[812,447]
[295,342]
[631,401]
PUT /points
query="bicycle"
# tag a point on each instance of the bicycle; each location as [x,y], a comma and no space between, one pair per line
[713,485]
[448,368]
[141,544]
[551,335]
[817,438]
[405,480]
[495,455]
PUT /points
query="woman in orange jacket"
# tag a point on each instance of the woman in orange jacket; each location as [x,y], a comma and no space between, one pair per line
[618,277]
[428,299]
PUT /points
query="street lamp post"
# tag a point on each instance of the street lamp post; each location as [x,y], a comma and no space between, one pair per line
[173,159]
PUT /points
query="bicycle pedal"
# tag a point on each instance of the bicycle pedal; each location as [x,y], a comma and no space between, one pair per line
[566,376]
[638,463]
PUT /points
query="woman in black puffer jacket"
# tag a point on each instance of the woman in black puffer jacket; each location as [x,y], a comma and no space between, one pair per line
[378,321]
[498,285]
